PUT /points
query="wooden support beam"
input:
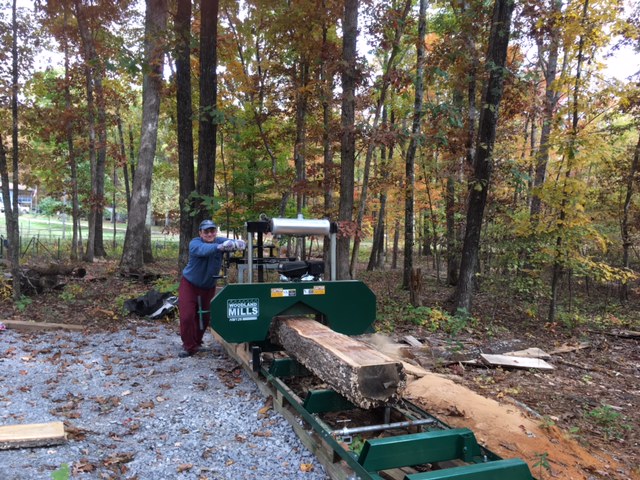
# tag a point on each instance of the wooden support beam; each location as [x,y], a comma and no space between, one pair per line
[32,435]
[24,326]
[354,369]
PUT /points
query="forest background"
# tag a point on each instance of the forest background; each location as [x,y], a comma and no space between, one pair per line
[484,134]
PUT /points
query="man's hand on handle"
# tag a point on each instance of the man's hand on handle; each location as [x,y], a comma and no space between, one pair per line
[232,245]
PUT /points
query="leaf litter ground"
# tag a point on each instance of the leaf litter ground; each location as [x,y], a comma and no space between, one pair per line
[578,421]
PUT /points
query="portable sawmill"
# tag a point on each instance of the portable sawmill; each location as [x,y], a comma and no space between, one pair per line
[295,336]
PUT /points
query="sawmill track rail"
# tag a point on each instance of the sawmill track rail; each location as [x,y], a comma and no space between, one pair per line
[406,443]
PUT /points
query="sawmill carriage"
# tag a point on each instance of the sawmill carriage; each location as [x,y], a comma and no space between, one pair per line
[296,336]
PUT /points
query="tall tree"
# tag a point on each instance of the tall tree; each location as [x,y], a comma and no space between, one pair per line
[410,160]
[348,134]
[572,147]
[11,204]
[624,224]
[400,20]
[208,113]
[154,44]
[184,116]
[483,162]
[96,107]
[69,128]
[548,49]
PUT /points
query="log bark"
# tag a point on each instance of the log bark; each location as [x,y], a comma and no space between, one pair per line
[42,278]
[357,371]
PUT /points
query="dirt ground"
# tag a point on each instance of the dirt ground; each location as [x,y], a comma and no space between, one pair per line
[580,420]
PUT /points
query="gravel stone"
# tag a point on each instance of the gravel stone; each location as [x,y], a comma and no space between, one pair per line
[134,410]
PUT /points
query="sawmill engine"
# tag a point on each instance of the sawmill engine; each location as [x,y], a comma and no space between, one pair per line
[304,270]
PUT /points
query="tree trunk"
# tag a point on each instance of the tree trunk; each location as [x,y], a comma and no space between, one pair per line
[12,223]
[495,63]
[101,158]
[97,127]
[413,145]
[453,260]
[299,148]
[377,258]
[207,137]
[69,127]
[415,287]
[326,85]
[396,245]
[348,139]
[184,114]
[624,224]
[12,210]
[357,371]
[89,58]
[124,162]
[155,31]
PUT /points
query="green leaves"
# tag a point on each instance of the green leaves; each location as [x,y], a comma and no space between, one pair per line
[62,473]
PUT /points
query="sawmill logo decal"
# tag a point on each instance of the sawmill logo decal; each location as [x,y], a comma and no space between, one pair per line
[243,309]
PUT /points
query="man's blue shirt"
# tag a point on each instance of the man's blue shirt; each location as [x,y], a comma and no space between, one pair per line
[205,261]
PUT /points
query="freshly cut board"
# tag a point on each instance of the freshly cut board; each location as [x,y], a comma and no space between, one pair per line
[365,376]
[516,362]
[32,435]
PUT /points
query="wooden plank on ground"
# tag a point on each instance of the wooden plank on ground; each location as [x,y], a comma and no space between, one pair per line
[32,435]
[534,352]
[354,369]
[515,362]
[24,326]
[412,341]
[566,348]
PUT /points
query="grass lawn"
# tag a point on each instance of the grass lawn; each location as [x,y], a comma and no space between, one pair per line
[54,228]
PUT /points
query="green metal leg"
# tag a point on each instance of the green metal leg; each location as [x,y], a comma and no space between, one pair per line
[513,469]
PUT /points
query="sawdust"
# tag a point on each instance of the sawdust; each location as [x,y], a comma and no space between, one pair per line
[509,432]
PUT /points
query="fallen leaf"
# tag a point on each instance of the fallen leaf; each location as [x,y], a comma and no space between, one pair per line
[185,467]
[118,458]
[306,467]
[83,466]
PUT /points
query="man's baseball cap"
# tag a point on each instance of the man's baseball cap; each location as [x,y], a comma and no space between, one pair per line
[207,224]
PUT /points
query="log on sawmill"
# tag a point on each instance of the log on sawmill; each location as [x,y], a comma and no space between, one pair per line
[357,371]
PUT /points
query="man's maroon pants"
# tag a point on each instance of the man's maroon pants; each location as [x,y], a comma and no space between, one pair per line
[190,331]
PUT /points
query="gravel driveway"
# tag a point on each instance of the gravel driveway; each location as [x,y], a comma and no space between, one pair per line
[133,410]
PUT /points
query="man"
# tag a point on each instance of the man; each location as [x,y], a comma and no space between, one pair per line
[198,283]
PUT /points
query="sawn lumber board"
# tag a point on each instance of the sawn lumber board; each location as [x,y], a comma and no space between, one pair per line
[22,325]
[32,435]
[516,362]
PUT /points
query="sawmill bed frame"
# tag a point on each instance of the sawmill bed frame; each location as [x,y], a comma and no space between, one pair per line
[416,440]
